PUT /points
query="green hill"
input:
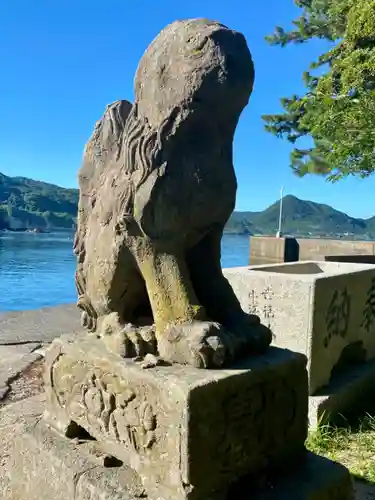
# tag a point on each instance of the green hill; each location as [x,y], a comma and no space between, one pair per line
[28,204]
[301,218]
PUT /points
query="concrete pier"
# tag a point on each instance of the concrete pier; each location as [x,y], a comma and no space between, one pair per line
[273,250]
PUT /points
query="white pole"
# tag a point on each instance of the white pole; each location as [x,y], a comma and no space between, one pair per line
[278,234]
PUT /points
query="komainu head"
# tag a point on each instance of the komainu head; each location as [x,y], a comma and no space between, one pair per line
[194,66]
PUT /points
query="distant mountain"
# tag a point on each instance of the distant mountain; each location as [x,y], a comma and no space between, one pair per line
[301,217]
[28,204]
[371,225]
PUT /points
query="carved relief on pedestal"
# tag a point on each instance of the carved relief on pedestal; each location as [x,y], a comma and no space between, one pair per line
[104,404]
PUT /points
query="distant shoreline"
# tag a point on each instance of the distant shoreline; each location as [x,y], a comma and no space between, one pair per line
[37,230]
[67,230]
[226,233]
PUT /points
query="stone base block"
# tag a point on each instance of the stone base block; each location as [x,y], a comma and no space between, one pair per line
[315,479]
[46,465]
[348,395]
[188,433]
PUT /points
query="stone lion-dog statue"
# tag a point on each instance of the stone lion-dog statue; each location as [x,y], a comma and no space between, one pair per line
[157,186]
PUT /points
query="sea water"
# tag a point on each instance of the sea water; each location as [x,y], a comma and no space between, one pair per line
[37,270]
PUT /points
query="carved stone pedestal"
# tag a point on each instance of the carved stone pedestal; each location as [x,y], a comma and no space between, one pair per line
[115,431]
[188,433]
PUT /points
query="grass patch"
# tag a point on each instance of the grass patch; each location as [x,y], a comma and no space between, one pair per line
[352,446]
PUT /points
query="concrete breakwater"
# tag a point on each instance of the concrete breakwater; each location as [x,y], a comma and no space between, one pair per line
[272,250]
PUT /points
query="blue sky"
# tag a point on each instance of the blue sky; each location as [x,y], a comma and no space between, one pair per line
[63,61]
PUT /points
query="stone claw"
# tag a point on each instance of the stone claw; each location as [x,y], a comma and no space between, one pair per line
[127,341]
[218,350]
[199,344]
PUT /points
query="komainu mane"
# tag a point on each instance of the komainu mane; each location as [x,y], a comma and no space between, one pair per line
[157,187]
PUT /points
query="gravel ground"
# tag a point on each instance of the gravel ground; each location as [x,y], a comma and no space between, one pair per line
[39,326]
[13,418]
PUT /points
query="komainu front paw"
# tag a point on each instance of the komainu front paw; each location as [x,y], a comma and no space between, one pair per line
[200,344]
[127,341]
